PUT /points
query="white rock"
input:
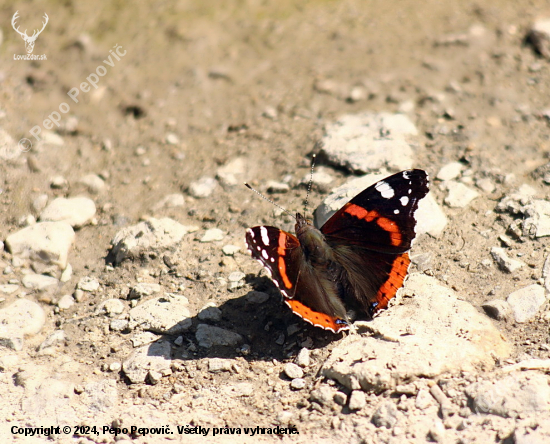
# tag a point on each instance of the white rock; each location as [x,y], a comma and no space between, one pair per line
[152,234]
[8,288]
[450,171]
[144,289]
[65,302]
[154,357]
[504,262]
[172,139]
[423,399]
[58,182]
[459,195]
[386,415]
[354,142]
[111,307]
[303,359]
[430,217]
[167,314]
[514,395]
[67,274]
[526,302]
[51,138]
[486,185]
[293,371]
[45,245]
[539,37]
[298,383]
[88,283]
[216,365]
[209,336]
[203,187]
[449,336]
[9,150]
[170,201]
[357,400]
[537,218]
[20,319]
[76,211]
[277,187]
[40,282]
[236,280]
[53,339]
[212,235]
[40,202]
[230,250]
[232,173]
[93,183]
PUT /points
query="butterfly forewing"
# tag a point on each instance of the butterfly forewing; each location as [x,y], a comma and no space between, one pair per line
[380,218]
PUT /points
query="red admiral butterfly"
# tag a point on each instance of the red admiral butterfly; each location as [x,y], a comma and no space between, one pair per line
[357,260]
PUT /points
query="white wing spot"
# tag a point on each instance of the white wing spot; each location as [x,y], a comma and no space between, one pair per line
[406,174]
[410,191]
[385,189]
[395,211]
[272,259]
[404,201]
[264,254]
[251,233]
[265,237]
[258,248]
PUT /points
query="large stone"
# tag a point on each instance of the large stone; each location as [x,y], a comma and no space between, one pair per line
[155,357]
[208,336]
[20,319]
[367,142]
[431,334]
[152,234]
[167,315]
[45,245]
[526,302]
[76,211]
[9,150]
[512,396]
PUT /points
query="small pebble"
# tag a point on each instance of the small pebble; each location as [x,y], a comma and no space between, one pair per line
[172,139]
[298,383]
[303,359]
[212,235]
[58,182]
[357,400]
[293,371]
[203,187]
[230,250]
[65,302]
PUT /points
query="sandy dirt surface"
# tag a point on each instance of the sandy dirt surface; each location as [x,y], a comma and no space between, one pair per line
[197,85]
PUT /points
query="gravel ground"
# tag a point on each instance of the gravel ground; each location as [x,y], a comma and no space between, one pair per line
[130,309]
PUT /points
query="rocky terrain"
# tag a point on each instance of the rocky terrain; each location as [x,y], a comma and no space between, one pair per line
[130,310]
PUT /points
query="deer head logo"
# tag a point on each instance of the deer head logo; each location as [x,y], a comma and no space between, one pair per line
[29,41]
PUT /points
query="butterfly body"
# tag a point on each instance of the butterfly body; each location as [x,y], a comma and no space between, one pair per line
[356,261]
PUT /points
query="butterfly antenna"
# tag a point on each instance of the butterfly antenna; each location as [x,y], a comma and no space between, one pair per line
[268,199]
[310,183]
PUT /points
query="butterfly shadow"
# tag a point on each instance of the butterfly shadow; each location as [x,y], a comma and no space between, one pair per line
[259,326]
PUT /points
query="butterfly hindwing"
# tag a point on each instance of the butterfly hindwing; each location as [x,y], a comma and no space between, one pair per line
[309,292]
